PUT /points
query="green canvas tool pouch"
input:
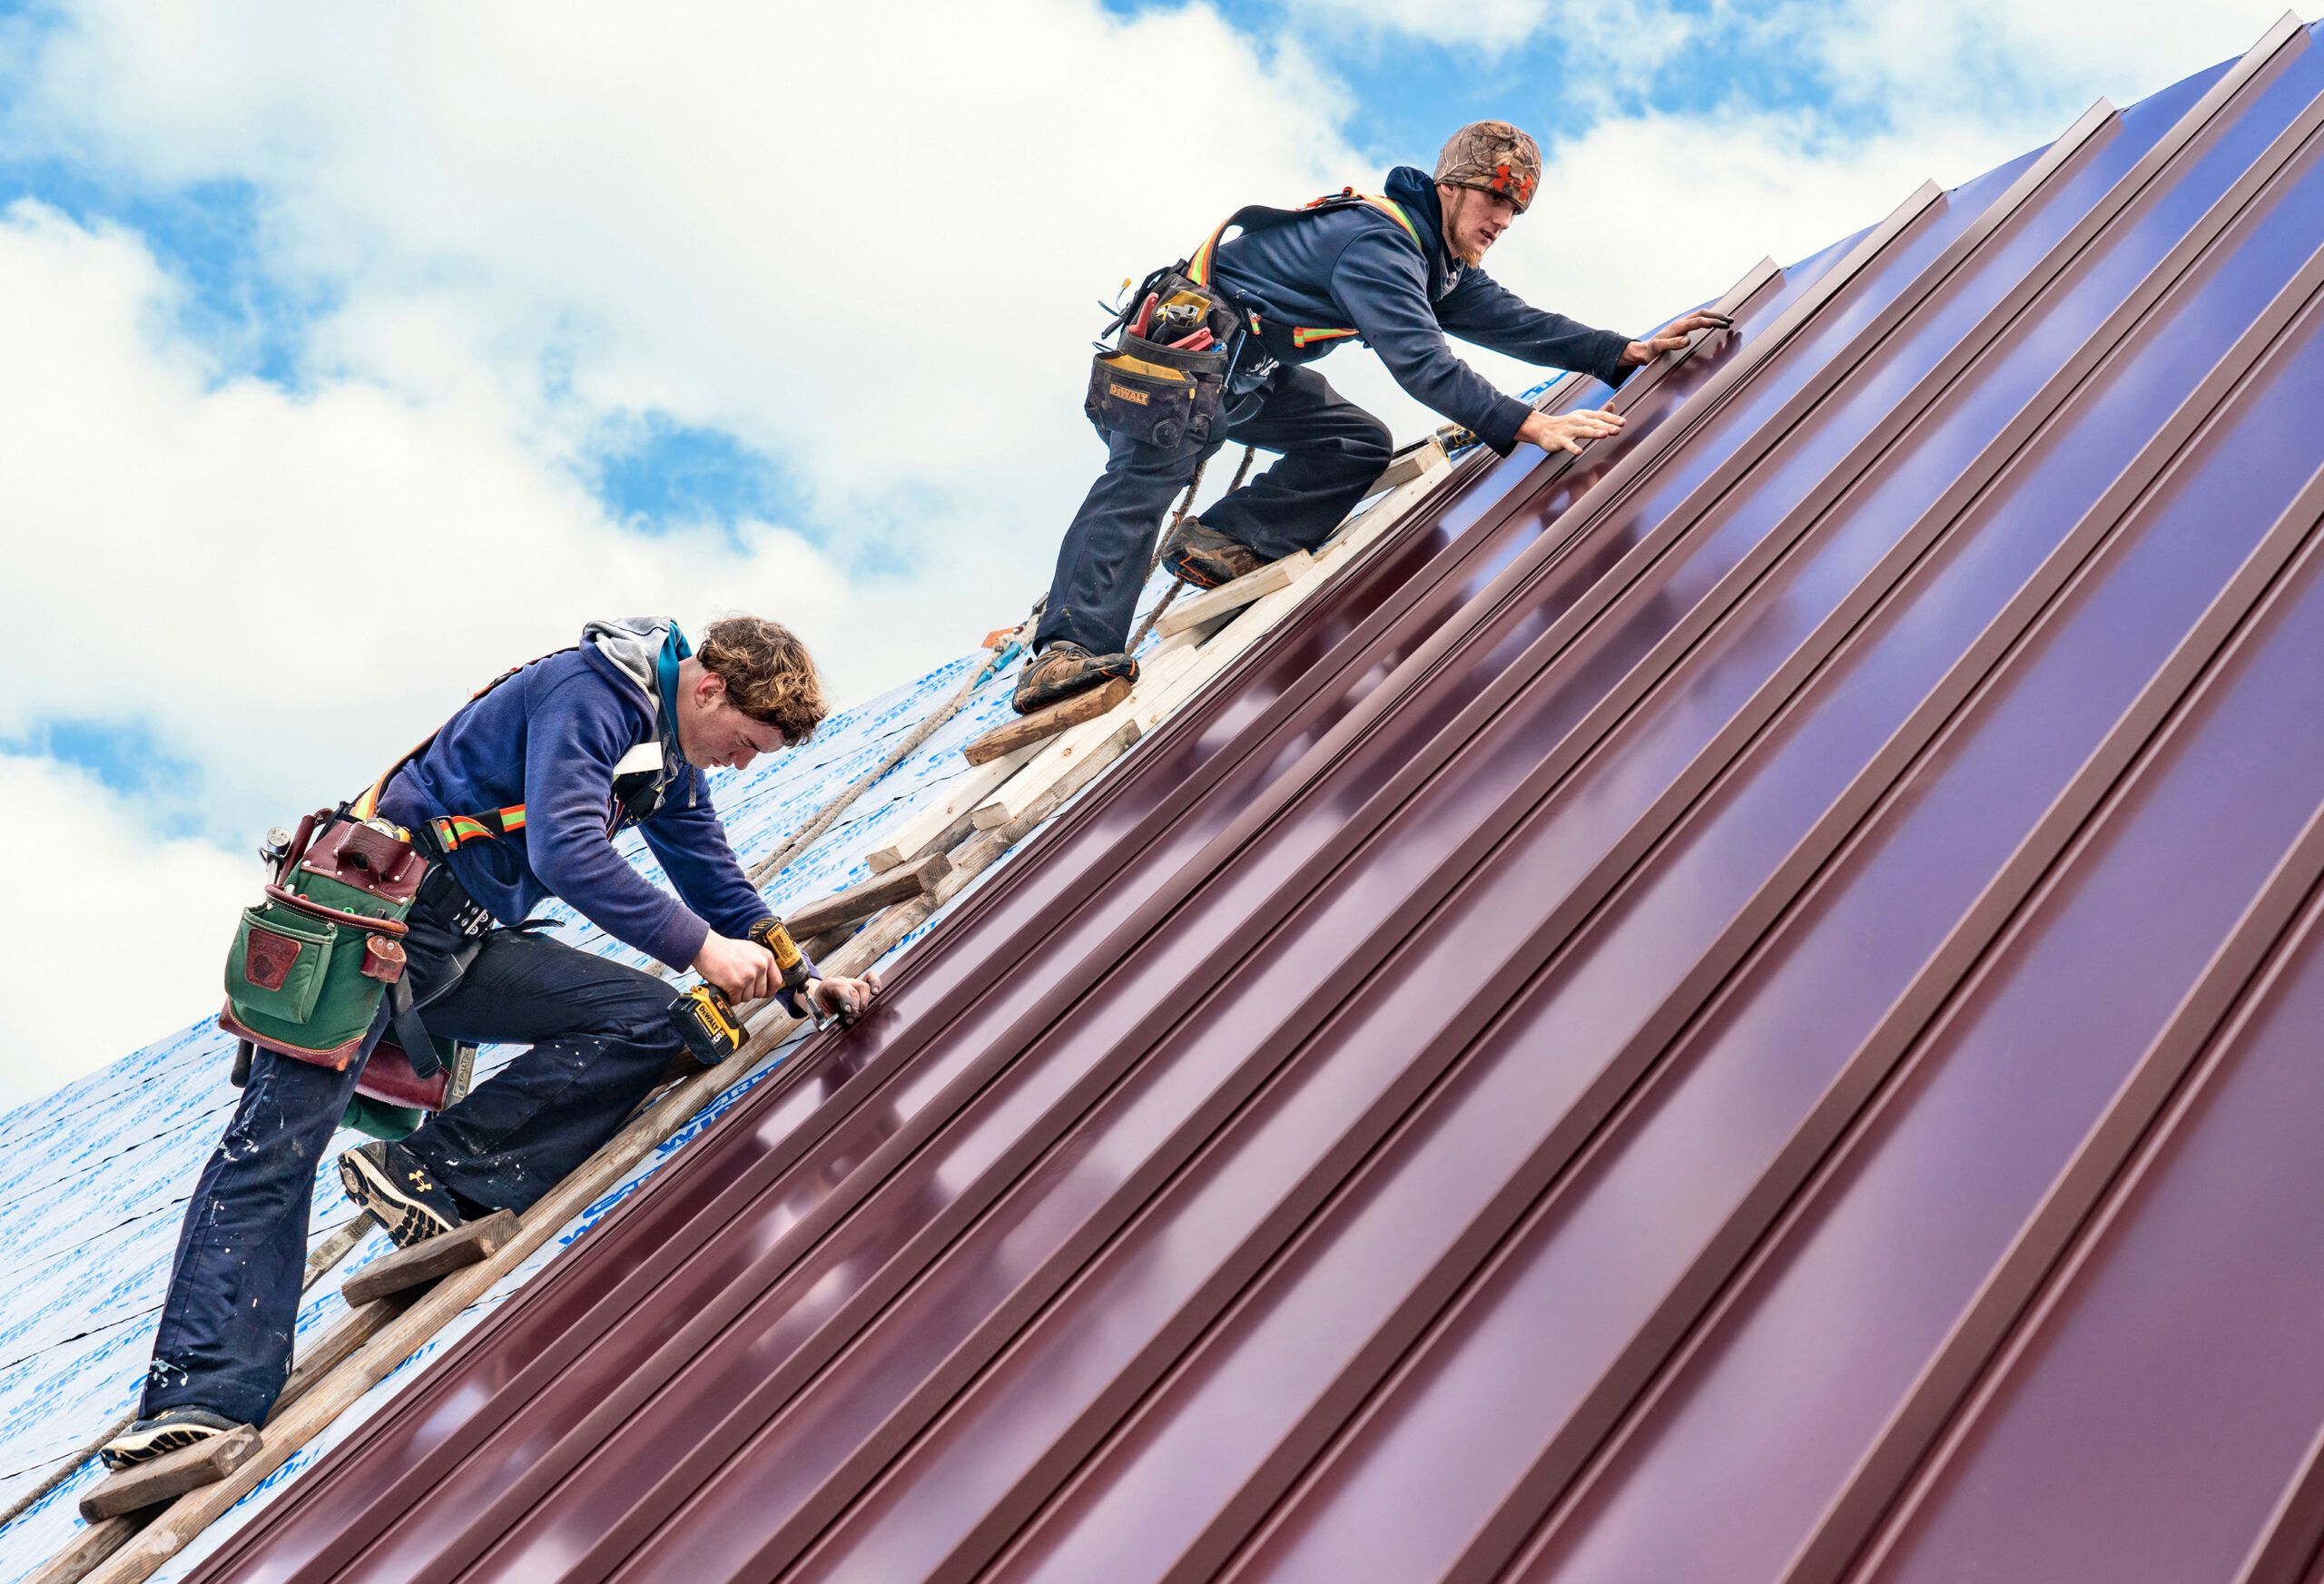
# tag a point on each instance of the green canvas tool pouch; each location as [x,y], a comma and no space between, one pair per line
[311,964]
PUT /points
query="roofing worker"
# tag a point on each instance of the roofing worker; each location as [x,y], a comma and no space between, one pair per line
[1396,272]
[563,752]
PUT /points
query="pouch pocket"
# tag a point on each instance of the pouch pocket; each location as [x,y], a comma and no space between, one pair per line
[276,965]
[1157,394]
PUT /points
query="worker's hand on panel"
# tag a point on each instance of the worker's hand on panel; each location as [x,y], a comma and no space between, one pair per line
[1566,431]
[745,970]
[845,999]
[1640,353]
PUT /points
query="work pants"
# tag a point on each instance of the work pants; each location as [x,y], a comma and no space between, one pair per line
[602,1037]
[1331,451]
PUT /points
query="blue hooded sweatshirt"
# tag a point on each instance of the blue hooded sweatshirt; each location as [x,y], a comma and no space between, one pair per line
[549,738]
[1354,267]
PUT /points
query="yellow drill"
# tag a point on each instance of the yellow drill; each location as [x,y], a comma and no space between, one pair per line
[706,1018]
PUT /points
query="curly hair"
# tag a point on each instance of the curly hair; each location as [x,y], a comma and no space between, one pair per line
[768,672]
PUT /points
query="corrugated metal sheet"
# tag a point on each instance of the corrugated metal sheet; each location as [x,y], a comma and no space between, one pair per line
[1739,1011]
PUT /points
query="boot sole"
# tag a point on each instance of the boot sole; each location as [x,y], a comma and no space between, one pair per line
[1185,572]
[408,1222]
[131,1449]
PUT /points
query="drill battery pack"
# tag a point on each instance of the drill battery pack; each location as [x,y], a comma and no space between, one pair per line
[705,1019]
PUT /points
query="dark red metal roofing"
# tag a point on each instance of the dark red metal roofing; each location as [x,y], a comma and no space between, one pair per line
[1741,1010]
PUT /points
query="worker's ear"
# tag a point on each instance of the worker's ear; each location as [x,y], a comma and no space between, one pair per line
[709,688]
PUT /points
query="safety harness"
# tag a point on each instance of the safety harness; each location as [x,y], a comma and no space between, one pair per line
[1259,216]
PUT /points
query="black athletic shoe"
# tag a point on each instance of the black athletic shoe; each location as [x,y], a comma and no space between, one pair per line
[1062,670]
[1206,558]
[399,1192]
[166,1431]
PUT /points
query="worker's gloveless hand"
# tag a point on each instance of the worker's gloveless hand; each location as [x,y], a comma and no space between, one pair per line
[1640,353]
[843,998]
[745,970]
[1566,431]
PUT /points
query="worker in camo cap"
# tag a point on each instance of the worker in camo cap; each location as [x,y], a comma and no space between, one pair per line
[1396,271]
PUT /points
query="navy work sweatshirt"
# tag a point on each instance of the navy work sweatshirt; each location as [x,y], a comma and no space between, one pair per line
[549,738]
[1354,267]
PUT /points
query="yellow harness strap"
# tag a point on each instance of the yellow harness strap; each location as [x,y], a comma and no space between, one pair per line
[1198,268]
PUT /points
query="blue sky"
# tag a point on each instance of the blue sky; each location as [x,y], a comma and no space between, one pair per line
[705,307]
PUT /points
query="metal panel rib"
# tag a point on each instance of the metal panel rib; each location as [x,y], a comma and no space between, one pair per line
[2139,477]
[2274,641]
[761,1559]
[2196,1410]
[2134,480]
[832,1493]
[2078,913]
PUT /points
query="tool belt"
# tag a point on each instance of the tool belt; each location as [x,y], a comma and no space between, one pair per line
[311,964]
[1149,389]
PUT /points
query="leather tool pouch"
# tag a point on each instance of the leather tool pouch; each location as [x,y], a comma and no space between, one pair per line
[1165,396]
[311,964]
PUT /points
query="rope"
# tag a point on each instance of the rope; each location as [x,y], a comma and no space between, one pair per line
[329,1250]
[815,830]
[1155,615]
[1185,501]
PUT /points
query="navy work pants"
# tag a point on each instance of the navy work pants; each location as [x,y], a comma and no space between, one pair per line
[1332,450]
[602,1038]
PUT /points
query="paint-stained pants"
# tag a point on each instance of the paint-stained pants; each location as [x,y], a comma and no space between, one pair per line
[602,1037]
[1332,450]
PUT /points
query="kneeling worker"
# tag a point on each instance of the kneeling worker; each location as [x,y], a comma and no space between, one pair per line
[558,755]
[1397,272]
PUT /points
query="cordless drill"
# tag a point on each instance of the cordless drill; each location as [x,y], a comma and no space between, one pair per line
[706,1019]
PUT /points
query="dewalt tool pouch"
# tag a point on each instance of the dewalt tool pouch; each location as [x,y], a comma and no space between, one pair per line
[1165,396]
[1158,394]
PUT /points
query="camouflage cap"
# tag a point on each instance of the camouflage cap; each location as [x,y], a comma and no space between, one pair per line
[1493,156]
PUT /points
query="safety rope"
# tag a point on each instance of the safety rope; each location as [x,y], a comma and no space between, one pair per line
[324,1258]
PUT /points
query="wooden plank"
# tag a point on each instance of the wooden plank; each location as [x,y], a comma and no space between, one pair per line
[447,1252]
[1368,524]
[169,1475]
[895,885]
[1017,793]
[1169,678]
[1415,462]
[136,1553]
[1194,612]
[88,1547]
[1042,725]
[963,793]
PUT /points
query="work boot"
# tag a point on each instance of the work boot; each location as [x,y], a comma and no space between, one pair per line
[1063,670]
[166,1431]
[1206,558]
[396,1189]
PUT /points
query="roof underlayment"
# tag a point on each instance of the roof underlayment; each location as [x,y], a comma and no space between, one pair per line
[1742,1011]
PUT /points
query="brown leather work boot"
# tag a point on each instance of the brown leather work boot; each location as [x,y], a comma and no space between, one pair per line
[1206,558]
[1064,669]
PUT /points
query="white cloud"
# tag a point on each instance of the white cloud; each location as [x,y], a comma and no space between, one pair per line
[105,943]
[1490,23]
[292,588]
[871,247]
[1997,59]
[866,242]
